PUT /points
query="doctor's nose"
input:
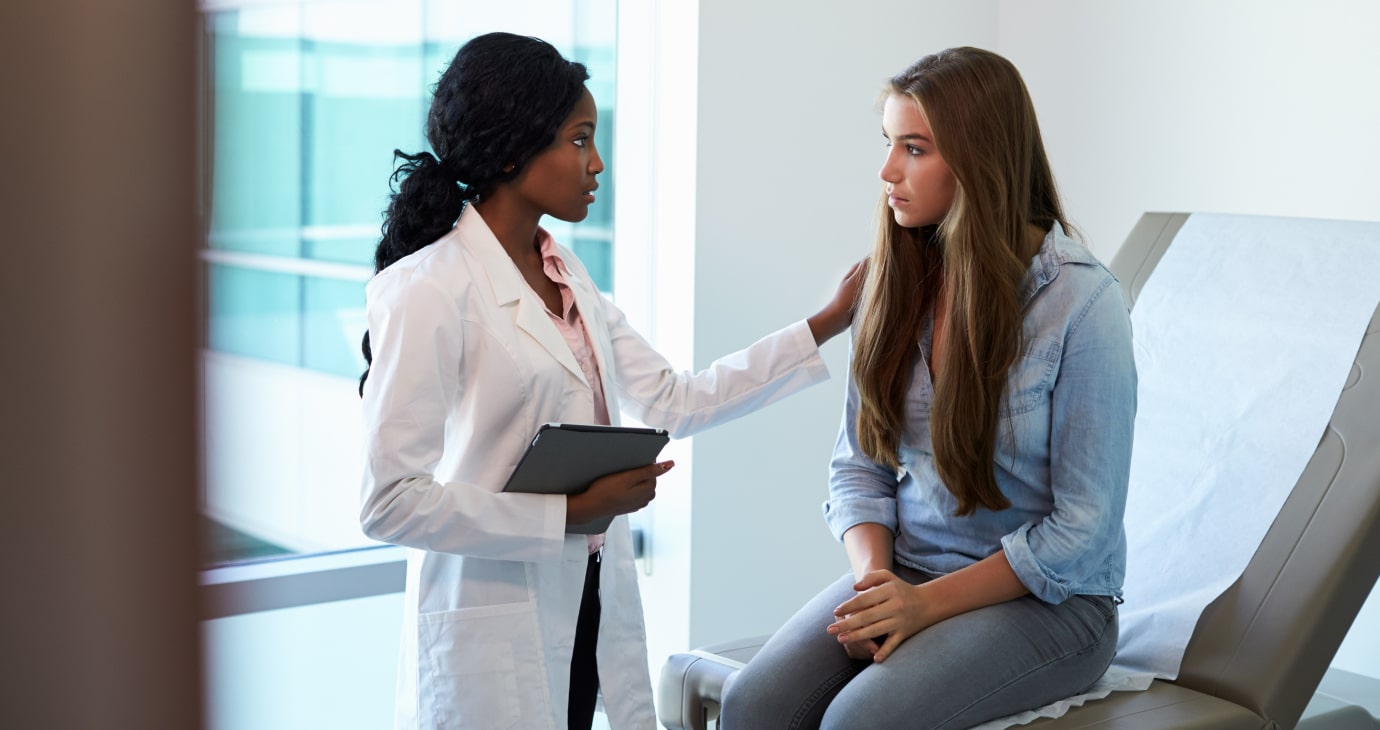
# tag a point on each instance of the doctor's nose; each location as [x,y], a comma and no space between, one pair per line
[596,163]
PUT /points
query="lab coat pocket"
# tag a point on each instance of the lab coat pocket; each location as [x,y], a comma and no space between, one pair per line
[475,662]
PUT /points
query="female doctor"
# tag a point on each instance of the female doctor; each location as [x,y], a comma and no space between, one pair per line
[481,329]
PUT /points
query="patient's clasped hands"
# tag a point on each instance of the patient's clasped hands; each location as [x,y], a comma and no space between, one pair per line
[886,609]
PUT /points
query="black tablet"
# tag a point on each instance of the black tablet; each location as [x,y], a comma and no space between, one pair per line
[564,458]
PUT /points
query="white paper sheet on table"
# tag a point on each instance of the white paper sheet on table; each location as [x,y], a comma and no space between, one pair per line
[1244,336]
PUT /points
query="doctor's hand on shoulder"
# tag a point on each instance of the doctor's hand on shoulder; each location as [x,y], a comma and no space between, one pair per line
[837,314]
[615,494]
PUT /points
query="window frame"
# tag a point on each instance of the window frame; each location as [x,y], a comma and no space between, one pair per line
[301,580]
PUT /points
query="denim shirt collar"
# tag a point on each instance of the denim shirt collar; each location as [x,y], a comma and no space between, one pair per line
[1056,250]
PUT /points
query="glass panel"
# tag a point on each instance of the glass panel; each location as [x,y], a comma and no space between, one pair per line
[366,97]
[255,313]
[256,159]
[333,322]
[596,253]
[594,47]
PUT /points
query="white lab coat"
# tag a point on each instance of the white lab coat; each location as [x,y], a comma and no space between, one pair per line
[467,365]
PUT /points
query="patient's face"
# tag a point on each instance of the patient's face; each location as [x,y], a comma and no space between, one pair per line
[919,185]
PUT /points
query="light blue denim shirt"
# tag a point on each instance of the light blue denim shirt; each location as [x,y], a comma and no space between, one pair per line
[1063,453]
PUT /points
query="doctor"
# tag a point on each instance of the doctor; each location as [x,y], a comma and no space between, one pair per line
[481,330]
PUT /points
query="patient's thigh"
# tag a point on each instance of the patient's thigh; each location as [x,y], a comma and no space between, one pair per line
[982,665]
[790,682]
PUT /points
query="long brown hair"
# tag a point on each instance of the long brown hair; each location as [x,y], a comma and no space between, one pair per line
[984,126]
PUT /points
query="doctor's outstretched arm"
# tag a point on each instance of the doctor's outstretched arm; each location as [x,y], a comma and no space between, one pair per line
[772,368]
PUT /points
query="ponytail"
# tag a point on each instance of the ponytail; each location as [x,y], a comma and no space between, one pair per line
[425,203]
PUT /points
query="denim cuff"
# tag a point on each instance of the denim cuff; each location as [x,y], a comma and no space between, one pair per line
[845,512]
[1042,582]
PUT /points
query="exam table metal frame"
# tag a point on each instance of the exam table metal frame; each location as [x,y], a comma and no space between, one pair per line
[1259,651]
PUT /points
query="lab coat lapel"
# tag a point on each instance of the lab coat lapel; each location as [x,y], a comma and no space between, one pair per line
[513,294]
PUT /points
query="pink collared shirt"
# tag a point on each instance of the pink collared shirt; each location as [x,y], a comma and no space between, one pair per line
[572,327]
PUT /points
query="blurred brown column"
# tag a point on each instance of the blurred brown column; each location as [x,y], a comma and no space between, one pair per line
[98,549]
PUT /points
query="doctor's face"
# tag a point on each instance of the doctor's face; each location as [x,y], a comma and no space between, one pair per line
[919,185]
[559,180]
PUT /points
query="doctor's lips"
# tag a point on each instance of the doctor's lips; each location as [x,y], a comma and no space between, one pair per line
[589,194]
[893,199]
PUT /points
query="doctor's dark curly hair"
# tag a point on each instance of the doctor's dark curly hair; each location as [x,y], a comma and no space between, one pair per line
[499,103]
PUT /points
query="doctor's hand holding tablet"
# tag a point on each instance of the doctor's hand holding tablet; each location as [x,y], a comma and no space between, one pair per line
[615,494]
[604,471]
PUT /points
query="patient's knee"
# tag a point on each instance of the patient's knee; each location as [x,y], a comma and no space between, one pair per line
[753,699]
[739,696]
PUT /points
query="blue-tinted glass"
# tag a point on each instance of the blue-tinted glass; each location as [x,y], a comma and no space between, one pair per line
[435,58]
[255,313]
[256,133]
[333,323]
[366,102]
[597,256]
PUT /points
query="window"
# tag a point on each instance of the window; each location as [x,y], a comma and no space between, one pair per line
[304,103]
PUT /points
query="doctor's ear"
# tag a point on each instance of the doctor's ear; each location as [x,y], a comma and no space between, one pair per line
[508,168]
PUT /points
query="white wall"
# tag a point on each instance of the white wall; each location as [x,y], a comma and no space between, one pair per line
[1228,106]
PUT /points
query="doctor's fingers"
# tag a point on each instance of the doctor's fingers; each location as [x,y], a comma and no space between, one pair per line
[633,478]
[650,471]
[857,274]
[623,492]
[636,495]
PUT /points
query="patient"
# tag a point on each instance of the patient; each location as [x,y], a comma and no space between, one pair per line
[981,469]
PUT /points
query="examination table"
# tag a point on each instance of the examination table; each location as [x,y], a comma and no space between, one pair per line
[1259,651]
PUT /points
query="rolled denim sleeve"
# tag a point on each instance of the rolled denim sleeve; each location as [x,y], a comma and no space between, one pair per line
[860,489]
[1093,409]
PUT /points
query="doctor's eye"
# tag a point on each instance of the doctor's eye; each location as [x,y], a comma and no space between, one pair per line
[580,140]
[914,151]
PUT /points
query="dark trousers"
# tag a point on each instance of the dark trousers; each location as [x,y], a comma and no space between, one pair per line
[584,669]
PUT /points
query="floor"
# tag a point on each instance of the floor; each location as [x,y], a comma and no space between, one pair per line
[225,544]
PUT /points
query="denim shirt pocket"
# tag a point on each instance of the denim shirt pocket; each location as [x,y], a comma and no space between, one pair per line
[1031,378]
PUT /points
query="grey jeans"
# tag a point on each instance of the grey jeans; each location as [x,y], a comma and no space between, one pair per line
[958,673]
